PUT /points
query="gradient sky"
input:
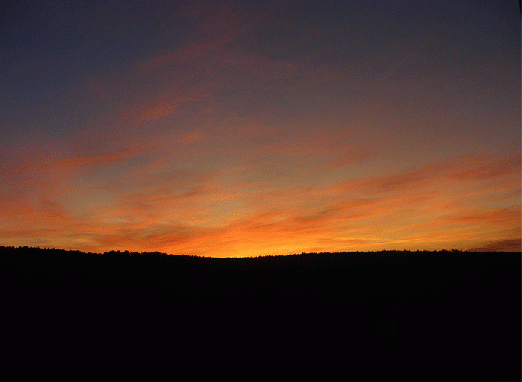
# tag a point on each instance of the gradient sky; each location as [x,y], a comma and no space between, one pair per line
[260,128]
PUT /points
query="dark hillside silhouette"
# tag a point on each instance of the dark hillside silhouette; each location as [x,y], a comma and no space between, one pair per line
[445,315]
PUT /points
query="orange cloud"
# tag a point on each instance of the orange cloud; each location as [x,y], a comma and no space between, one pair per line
[192,137]
[155,113]
[184,213]
[508,245]
[484,171]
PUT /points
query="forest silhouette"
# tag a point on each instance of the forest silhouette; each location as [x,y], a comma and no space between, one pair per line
[441,315]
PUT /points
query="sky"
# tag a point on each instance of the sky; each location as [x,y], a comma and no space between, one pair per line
[231,129]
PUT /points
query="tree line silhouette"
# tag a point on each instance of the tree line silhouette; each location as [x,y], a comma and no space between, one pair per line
[361,315]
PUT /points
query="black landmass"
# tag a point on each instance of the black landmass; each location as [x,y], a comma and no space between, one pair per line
[391,315]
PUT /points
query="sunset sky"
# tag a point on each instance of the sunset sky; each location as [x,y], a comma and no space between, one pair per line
[260,128]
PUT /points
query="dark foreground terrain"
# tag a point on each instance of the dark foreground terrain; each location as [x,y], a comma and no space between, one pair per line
[68,315]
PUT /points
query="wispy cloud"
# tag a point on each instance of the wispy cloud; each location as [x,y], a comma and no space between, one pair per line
[508,245]
[233,140]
